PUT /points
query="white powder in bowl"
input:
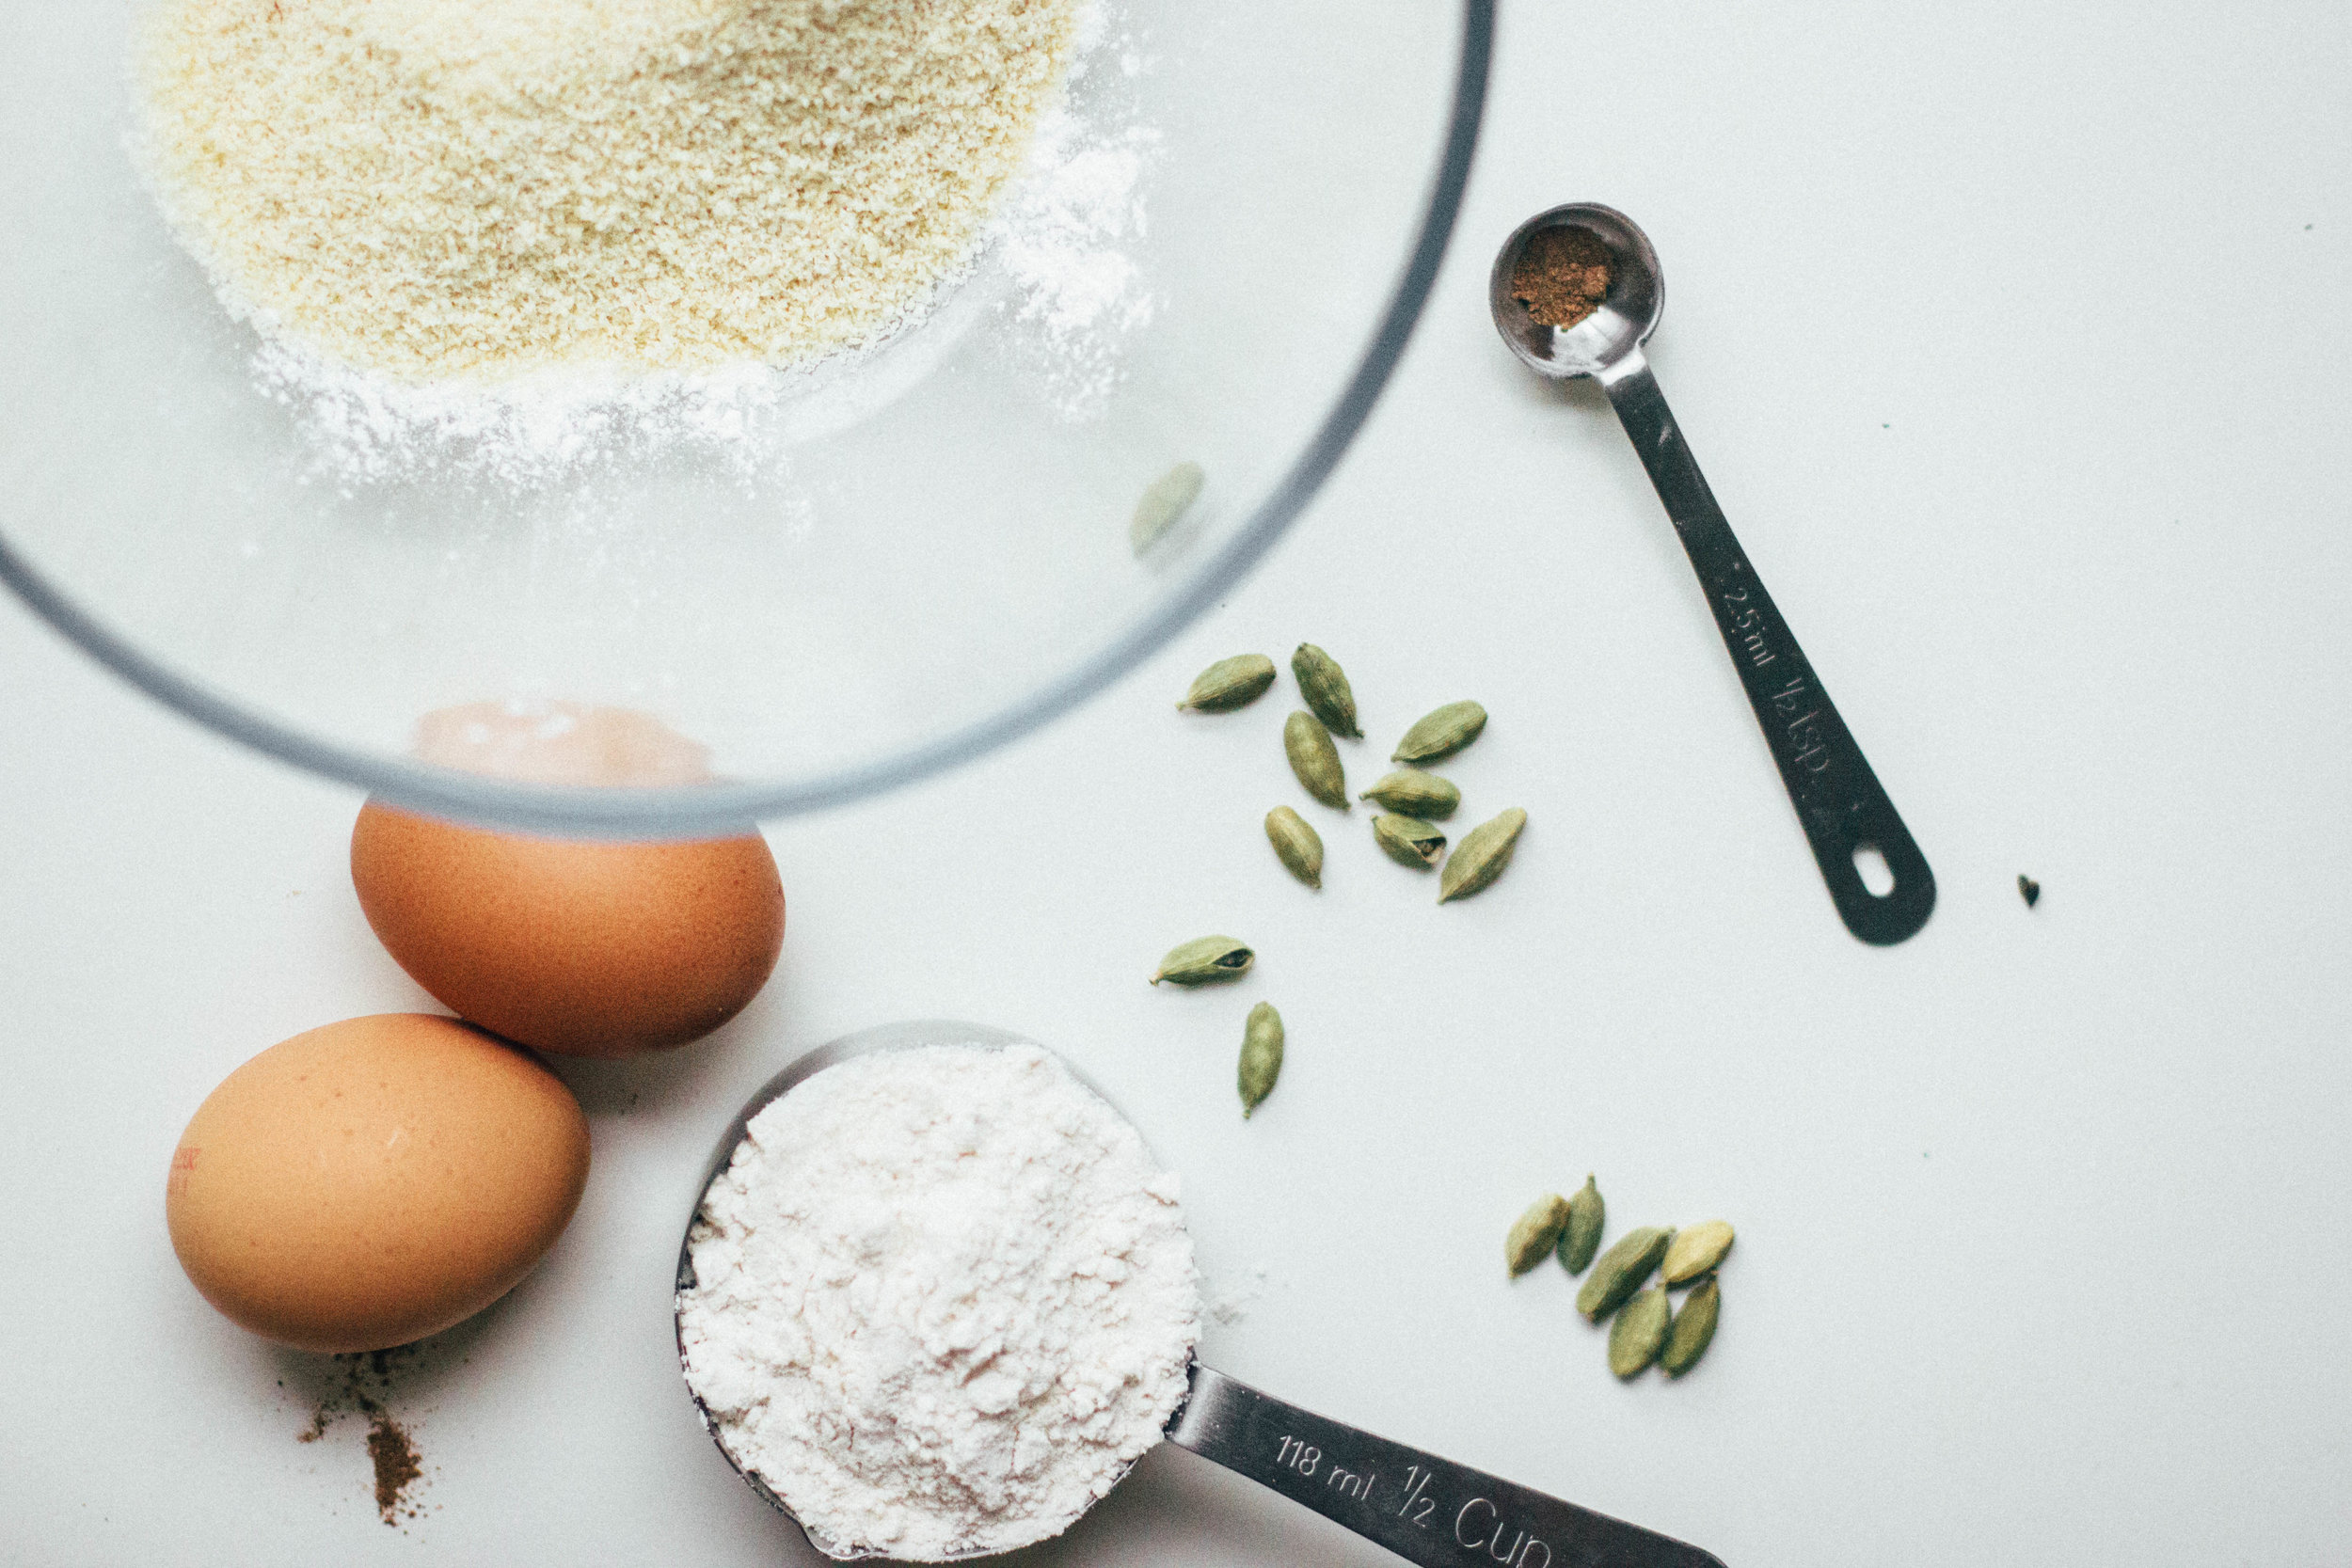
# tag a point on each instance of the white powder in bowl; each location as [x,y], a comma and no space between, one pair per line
[943,1298]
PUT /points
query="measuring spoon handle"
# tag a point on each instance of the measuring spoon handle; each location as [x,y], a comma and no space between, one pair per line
[1838,799]
[1424,1509]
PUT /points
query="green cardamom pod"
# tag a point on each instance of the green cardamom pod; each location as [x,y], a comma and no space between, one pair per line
[1168,498]
[1640,1331]
[1481,856]
[1230,683]
[1442,733]
[1621,1271]
[1416,794]
[1296,845]
[1261,1056]
[1582,1239]
[1408,840]
[1693,1329]
[1696,1251]
[1315,759]
[1203,960]
[1534,1233]
[1323,684]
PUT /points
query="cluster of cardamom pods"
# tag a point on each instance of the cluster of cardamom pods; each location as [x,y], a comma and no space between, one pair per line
[1647,1328]
[1416,800]
[1407,830]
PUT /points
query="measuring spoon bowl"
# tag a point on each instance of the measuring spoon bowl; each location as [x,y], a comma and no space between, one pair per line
[1612,335]
[1426,1509]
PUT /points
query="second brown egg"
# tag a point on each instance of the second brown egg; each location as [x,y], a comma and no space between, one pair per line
[586,948]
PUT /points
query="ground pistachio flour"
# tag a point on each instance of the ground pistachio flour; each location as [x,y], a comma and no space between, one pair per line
[432,188]
[944,1297]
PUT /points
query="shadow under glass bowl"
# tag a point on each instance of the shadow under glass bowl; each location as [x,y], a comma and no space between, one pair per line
[916,558]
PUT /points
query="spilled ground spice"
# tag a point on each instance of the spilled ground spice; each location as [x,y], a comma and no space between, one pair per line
[396,1466]
[1562,276]
[362,1385]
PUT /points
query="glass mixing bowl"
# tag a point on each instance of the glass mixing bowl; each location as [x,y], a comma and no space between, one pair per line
[886,569]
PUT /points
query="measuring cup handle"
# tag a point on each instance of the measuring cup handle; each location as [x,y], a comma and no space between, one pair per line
[1840,801]
[1424,1509]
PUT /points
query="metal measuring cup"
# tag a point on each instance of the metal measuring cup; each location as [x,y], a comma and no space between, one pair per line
[1426,1509]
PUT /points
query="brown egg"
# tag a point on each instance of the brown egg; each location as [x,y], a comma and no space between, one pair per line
[561,743]
[586,948]
[375,1181]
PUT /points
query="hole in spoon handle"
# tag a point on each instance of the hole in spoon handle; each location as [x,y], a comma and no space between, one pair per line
[1424,1509]
[1840,802]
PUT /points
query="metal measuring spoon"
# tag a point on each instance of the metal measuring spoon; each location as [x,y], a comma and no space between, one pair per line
[1424,1509]
[1838,799]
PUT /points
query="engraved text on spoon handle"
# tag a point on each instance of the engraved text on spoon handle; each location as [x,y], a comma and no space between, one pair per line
[1838,799]
[1424,1509]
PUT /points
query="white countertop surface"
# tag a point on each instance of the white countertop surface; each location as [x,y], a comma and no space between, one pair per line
[2015,339]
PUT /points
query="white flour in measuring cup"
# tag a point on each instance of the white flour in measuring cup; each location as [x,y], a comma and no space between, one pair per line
[945,1297]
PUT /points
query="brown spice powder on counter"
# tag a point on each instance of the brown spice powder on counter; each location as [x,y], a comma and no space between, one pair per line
[361,1384]
[396,1466]
[1562,276]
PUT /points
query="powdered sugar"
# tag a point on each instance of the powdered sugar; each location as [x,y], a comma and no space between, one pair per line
[1064,243]
[366,428]
[945,1297]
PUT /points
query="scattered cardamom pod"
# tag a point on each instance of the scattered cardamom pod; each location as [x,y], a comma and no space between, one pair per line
[1442,733]
[1323,684]
[1640,1331]
[1621,1271]
[1230,683]
[1481,856]
[1261,1056]
[1315,759]
[1693,1329]
[1534,1233]
[1582,1239]
[1203,960]
[1408,840]
[1698,1251]
[1168,498]
[1416,794]
[1296,845]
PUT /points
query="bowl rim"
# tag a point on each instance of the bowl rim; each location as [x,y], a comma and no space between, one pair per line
[729,806]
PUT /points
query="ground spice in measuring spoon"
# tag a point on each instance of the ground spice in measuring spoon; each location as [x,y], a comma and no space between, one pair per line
[1562,276]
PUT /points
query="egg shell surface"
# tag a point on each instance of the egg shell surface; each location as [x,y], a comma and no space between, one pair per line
[587,948]
[373,1181]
